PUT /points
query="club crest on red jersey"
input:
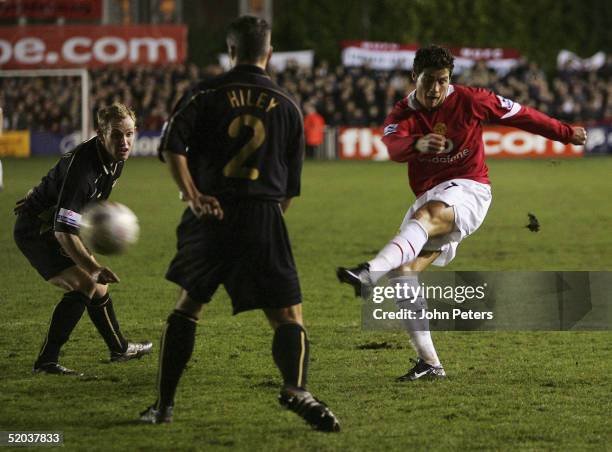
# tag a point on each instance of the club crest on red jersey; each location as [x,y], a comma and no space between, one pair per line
[440,128]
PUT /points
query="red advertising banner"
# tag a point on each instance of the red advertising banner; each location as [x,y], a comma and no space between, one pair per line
[500,142]
[52,46]
[51,9]
[507,142]
[361,143]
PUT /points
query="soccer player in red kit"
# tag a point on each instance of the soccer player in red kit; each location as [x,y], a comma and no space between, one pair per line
[437,130]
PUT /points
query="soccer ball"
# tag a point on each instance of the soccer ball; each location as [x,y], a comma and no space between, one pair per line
[108,227]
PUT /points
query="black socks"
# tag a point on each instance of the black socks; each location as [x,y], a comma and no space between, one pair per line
[65,317]
[176,347]
[290,350]
[103,317]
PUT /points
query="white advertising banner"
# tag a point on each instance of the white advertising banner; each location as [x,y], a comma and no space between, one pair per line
[389,55]
[569,60]
[279,60]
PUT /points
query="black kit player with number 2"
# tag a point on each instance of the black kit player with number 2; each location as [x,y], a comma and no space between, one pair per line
[235,148]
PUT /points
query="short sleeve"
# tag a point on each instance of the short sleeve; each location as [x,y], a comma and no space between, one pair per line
[178,130]
[295,157]
[74,195]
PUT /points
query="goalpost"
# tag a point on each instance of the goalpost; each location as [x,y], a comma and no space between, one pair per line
[85,82]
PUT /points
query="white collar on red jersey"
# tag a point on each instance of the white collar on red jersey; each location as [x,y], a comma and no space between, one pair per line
[414,104]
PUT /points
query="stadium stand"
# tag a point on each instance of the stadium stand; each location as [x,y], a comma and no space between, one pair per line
[348,96]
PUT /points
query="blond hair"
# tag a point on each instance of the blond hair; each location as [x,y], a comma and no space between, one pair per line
[114,112]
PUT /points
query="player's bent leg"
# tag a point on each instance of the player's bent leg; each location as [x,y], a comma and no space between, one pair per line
[437,218]
[291,351]
[421,263]
[177,342]
[433,219]
[427,364]
[100,309]
[77,279]
[102,314]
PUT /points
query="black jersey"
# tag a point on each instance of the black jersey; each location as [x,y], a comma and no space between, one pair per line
[242,135]
[85,174]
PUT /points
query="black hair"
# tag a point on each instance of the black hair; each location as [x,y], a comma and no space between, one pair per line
[249,34]
[435,57]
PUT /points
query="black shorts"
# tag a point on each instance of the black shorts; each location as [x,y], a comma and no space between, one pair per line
[42,250]
[248,252]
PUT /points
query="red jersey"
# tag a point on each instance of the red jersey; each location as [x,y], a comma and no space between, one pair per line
[459,119]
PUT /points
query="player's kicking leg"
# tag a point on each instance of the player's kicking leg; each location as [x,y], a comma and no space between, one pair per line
[433,219]
[290,350]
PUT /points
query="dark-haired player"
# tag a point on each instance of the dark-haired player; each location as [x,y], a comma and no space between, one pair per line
[437,130]
[47,233]
[235,148]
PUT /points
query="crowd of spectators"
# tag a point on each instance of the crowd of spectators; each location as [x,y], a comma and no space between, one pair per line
[53,104]
[348,96]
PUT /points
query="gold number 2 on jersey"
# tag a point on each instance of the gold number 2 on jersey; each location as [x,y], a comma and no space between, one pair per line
[235,167]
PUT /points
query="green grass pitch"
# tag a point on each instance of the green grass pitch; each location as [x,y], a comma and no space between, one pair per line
[510,390]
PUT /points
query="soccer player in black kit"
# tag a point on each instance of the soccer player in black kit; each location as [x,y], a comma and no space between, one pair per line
[46,232]
[234,147]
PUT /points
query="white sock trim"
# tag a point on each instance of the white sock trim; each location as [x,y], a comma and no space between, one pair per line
[418,223]
[401,249]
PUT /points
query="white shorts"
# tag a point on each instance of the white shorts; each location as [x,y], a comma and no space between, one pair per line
[470,201]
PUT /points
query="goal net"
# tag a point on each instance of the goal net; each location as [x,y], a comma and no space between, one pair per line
[50,104]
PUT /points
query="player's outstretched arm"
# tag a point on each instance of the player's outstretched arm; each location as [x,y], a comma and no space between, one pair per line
[506,112]
[201,205]
[74,247]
